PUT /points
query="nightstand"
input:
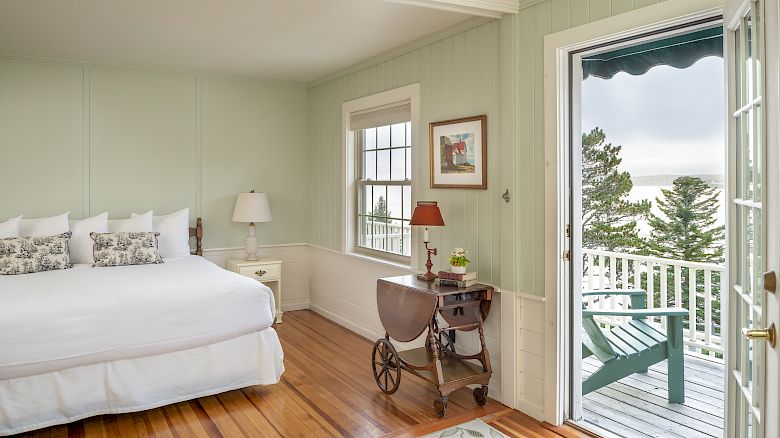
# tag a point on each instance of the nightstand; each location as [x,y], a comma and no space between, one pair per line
[266,271]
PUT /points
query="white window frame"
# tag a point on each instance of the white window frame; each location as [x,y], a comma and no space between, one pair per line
[350,168]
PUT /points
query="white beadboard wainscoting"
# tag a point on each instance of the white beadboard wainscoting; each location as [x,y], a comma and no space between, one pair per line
[295,269]
[342,287]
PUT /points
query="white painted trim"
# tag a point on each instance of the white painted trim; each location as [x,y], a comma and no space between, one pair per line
[402,50]
[409,92]
[482,8]
[557,47]
[243,250]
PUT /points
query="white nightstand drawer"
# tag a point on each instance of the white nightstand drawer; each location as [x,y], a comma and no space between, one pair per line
[262,272]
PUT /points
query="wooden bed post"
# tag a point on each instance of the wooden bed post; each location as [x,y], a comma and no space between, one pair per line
[197,233]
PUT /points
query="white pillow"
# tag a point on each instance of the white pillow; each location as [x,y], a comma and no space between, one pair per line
[81,244]
[10,228]
[44,226]
[141,223]
[174,229]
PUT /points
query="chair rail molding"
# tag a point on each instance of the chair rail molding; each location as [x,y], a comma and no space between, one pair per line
[482,8]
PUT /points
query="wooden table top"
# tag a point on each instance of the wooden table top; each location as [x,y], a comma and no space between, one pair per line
[412,282]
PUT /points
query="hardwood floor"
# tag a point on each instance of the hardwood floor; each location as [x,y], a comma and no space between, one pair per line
[326,390]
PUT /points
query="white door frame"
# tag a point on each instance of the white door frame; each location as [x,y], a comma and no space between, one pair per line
[557,48]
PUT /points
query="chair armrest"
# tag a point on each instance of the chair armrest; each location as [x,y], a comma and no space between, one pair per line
[629,292]
[638,313]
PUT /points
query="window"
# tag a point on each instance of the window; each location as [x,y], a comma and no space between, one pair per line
[383,142]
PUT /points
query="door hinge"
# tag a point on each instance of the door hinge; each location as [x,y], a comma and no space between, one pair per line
[568,230]
[567,256]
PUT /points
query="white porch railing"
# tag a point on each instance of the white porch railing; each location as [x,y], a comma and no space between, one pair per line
[667,283]
[387,236]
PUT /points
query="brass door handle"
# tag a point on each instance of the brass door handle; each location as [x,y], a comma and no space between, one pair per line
[769,334]
[260,273]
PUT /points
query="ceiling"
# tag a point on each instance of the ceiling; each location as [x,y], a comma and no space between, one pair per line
[299,40]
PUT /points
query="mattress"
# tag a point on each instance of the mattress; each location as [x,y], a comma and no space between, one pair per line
[55,320]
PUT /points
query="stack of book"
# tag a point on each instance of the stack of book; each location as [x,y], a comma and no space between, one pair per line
[447,278]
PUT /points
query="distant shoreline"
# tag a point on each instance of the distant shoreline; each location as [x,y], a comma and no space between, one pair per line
[713,180]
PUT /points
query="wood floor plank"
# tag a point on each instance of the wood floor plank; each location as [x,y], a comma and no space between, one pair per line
[327,390]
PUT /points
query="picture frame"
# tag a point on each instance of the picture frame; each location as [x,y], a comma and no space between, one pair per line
[458,153]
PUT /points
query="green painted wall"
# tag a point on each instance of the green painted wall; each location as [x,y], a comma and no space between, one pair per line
[493,68]
[90,139]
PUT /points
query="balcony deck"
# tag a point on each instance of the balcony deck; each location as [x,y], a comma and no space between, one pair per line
[636,406]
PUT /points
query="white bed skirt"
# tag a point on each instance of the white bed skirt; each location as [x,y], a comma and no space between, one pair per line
[128,385]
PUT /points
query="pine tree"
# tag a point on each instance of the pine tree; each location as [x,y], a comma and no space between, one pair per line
[609,219]
[380,212]
[688,232]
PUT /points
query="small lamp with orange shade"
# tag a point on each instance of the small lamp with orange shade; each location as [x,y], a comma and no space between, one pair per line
[427,213]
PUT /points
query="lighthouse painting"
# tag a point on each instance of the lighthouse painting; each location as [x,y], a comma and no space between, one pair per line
[459,153]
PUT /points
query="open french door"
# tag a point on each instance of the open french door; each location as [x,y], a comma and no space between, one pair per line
[754,239]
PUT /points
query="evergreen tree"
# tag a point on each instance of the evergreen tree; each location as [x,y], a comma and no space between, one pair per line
[380,212]
[609,219]
[688,232]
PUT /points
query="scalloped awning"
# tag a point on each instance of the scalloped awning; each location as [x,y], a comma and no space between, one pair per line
[680,51]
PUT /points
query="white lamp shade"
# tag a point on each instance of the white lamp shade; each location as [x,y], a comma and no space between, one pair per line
[252,207]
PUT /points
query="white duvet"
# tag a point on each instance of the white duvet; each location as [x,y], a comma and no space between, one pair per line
[60,319]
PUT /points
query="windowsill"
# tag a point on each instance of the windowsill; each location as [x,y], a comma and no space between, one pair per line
[383,261]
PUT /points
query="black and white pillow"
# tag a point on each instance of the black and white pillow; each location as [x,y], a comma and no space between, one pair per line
[122,249]
[25,255]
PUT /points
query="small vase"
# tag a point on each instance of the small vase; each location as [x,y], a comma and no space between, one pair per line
[458,269]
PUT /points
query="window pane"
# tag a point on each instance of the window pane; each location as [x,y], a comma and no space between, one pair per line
[383,165]
[406,239]
[398,135]
[370,138]
[369,163]
[408,133]
[394,201]
[407,205]
[379,204]
[366,201]
[398,164]
[409,163]
[383,137]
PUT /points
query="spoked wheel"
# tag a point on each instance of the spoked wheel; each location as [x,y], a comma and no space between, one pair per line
[386,365]
[440,407]
[480,395]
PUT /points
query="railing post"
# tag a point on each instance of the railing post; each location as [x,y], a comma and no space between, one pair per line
[650,285]
[692,304]
[677,286]
[708,309]
[664,291]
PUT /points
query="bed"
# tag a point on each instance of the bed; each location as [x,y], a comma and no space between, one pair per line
[88,341]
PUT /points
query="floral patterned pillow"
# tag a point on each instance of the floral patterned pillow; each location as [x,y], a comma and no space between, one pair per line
[25,255]
[122,249]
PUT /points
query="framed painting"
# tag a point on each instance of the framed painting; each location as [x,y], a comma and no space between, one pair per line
[458,153]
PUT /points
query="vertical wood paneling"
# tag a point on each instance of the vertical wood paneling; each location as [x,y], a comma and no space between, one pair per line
[620,6]
[560,10]
[599,9]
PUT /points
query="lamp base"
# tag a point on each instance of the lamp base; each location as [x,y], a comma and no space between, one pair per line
[428,276]
[250,243]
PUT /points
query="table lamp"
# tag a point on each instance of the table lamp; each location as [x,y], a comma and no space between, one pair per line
[251,207]
[427,213]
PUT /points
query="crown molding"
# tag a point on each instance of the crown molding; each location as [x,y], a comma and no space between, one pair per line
[481,8]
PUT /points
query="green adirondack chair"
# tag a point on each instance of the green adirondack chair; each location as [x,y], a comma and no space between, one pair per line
[635,345]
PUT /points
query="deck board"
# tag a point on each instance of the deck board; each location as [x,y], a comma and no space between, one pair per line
[637,405]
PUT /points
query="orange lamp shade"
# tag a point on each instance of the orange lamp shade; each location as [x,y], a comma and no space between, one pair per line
[427,213]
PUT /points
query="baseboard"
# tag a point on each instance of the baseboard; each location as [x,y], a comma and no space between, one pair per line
[365,332]
[297,304]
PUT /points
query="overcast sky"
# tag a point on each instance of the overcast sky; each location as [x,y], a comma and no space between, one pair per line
[669,121]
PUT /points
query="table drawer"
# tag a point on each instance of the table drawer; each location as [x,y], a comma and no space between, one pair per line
[263,272]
